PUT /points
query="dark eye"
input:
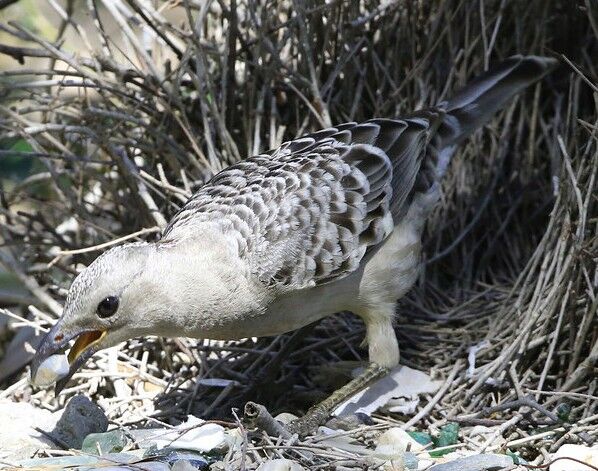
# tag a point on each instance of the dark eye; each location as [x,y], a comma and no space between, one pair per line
[107,307]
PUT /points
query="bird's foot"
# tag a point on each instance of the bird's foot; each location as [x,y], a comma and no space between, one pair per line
[319,413]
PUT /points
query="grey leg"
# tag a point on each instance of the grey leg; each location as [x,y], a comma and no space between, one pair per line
[383,356]
[318,414]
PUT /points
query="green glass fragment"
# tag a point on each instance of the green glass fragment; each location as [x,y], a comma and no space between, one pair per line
[102,443]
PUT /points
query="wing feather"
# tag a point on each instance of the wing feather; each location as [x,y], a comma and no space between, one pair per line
[307,212]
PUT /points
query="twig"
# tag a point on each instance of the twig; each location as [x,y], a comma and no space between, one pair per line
[258,416]
[95,248]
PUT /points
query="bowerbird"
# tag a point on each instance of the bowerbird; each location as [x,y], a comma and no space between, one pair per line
[325,223]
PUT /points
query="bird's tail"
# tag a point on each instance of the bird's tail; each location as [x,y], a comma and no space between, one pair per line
[474,105]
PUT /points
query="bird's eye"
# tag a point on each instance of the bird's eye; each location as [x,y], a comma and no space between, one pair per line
[107,307]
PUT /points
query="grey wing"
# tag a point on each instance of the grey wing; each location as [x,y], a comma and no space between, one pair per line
[307,212]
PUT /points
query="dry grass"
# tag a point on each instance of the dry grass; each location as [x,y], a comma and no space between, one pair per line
[128,129]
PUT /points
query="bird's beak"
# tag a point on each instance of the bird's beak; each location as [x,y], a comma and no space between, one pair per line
[55,341]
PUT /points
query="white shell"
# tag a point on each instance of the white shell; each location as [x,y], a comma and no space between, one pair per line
[51,370]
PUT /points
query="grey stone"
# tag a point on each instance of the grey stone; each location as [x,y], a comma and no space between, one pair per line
[280,464]
[487,462]
[349,421]
[80,418]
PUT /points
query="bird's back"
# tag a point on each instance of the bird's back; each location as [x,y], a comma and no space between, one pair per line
[308,212]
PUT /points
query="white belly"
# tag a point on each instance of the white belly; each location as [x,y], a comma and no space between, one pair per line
[387,276]
[393,270]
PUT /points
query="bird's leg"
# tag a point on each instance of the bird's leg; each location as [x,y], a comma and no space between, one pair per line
[383,354]
[318,414]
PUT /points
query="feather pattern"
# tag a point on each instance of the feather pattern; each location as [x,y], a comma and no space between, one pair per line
[307,212]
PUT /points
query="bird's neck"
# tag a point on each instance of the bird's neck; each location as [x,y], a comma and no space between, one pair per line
[204,286]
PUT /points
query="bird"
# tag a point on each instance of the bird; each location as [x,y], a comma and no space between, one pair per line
[328,222]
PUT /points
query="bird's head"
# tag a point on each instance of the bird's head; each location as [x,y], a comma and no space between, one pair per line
[101,307]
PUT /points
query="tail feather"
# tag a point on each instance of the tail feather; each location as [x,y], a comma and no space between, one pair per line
[475,104]
[479,100]
[454,120]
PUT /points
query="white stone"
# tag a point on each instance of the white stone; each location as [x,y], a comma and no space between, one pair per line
[579,452]
[51,370]
[392,446]
[18,439]
[399,439]
[280,465]
[394,459]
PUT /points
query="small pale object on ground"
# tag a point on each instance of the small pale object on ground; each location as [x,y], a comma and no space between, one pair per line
[579,452]
[399,439]
[192,435]
[285,417]
[392,447]
[183,465]
[401,382]
[51,370]
[280,465]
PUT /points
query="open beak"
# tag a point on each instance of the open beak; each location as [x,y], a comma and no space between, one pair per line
[55,341]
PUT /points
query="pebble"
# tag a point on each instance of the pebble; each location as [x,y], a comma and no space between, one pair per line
[285,417]
[399,439]
[280,464]
[485,462]
[392,449]
[51,370]
[183,465]
[18,439]
[349,421]
[80,418]
[579,452]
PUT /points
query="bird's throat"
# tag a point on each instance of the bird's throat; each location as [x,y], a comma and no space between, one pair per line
[85,340]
